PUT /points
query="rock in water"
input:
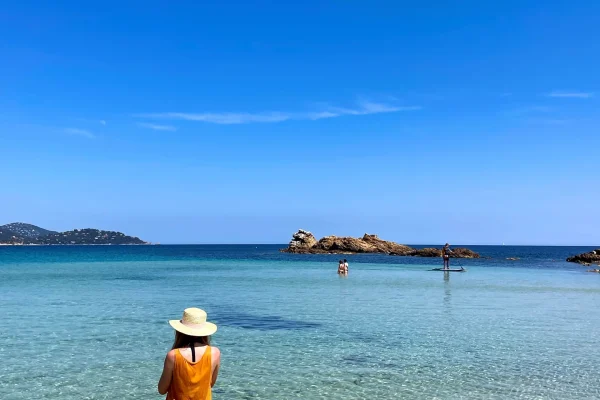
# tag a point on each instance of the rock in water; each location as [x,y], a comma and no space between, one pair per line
[458,252]
[301,242]
[334,244]
[589,258]
[387,247]
[428,252]
[461,252]
[304,242]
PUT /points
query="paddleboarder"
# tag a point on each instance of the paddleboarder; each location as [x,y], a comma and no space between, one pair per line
[446,255]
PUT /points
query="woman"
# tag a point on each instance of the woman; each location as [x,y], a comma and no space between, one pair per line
[446,255]
[192,366]
[345,266]
[341,267]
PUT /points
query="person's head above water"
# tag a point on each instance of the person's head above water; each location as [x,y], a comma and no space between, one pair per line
[345,260]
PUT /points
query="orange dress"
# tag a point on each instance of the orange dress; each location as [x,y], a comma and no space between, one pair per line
[191,381]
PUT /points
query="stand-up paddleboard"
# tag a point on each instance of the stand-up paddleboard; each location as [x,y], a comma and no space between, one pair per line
[449,270]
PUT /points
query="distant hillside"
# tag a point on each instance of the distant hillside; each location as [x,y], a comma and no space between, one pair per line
[23,230]
[20,233]
[6,236]
[88,236]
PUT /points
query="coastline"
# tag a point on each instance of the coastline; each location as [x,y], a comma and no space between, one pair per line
[80,244]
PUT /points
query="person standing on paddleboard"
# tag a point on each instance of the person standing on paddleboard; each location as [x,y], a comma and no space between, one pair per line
[446,255]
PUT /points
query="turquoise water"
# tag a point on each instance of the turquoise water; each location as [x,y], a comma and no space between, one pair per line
[91,323]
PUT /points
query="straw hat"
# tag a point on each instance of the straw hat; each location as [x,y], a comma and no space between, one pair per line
[193,323]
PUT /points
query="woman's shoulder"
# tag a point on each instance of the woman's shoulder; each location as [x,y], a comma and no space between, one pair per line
[170,357]
[215,355]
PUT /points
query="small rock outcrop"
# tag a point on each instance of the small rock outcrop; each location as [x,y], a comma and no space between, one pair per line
[428,252]
[586,258]
[301,242]
[459,252]
[388,247]
[304,242]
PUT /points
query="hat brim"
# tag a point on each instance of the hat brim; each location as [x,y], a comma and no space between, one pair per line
[207,328]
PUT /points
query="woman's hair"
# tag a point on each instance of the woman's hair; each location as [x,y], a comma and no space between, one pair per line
[183,340]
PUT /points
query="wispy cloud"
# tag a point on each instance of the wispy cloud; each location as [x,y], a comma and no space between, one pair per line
[157,127]
[229,118]
[80,132]
[221,118]
[576,95]
[102,122]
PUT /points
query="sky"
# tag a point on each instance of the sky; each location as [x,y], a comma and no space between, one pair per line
[240,122]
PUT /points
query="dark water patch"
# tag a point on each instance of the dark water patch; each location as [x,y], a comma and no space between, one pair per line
[261,322]
[356,360]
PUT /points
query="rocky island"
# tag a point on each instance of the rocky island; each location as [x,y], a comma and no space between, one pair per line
[304,242]
[592,257]
[19,233]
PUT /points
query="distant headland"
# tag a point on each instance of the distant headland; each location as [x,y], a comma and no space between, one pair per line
[304,242]
[19,233]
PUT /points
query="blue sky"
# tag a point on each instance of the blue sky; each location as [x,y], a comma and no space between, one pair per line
[229,122]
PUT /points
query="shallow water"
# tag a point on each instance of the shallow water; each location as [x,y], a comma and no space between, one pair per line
[90,323]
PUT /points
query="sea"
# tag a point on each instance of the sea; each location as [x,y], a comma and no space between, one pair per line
[90,322]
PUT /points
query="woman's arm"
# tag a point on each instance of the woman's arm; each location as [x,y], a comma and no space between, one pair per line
[167,374]
[216,362]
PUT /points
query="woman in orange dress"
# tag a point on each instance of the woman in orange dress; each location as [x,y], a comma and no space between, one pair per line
[192,366]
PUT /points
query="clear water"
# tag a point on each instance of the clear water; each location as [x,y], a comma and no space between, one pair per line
[91,323]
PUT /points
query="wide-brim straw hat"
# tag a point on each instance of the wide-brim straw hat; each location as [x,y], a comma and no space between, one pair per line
[193,323]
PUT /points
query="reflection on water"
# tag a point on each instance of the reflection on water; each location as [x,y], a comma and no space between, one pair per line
[447,291]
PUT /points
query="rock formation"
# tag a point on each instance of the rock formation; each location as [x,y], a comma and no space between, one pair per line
[366,244]
[301,242]
[459,252]
[304,242]
[589,258]
[388,247]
